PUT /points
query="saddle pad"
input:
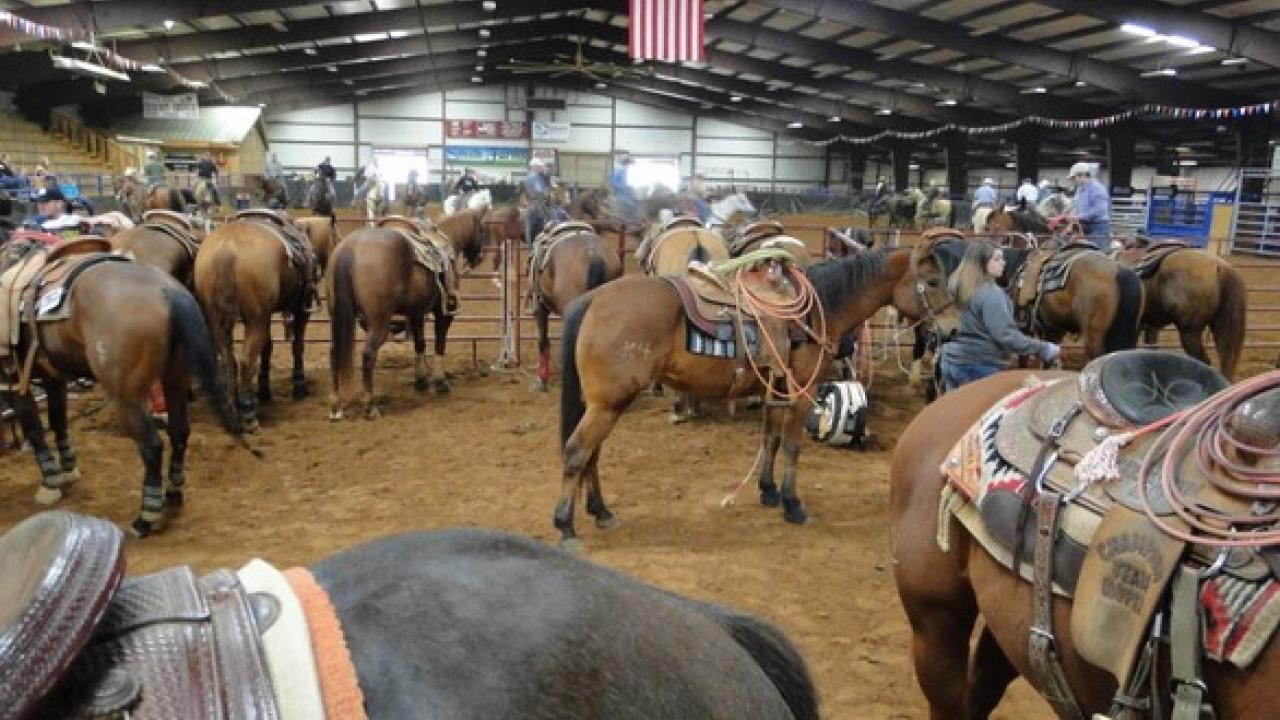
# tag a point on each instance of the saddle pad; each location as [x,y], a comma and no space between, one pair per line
[286,644]
[172,647]
[12,284]
[339,683]
[60,571]
[1240,616]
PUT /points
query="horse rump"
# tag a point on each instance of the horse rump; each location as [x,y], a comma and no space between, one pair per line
[572,407]
[781,662]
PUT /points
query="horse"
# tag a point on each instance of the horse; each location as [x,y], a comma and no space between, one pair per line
[129,326]
[1193,290]
[206,195]
[591,206]
[244,273]
[469,231]
[157,243]
[1016,219]
[933,211]
[274,188]
[374,275]
[131,195]
[723,210]
[463,623]
[574,265]
[1101,301]
[1054,204]
[479,200]
[414,198]
[321,196]
[623,336]
[323,233]
[944,592]
[163,197]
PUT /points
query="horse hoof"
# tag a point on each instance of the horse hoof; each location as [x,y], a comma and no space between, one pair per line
[70,477]
[608,522]
[442,387]
[48,495]
[372,413]
[539,385]
[572,545]
[421,384]
[301,391]
[251,426]
[335,415]
[795,514]
[174,499]
[141,529]
[770,497]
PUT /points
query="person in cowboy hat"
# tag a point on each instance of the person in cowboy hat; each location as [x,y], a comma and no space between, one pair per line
[1092,205]
[536,188]
[985,194]
[53,214]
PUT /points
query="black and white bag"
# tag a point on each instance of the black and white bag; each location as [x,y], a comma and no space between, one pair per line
[839,417]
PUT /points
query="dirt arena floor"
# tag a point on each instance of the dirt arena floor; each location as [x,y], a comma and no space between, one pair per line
[487,455]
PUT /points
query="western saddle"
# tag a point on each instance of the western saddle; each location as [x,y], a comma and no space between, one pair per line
[1044,271]
[1042,460]
[34,288]
[1146,261]
[297,245]
[540,253]
[176,226]
[649,246]
[78,640]
[769,234]
[432,250]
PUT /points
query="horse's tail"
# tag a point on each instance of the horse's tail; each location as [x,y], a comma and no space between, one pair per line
[572,408]
[1123,333]
[342,312]
[176,203]
[1229,322]
[192,333]
[595,272]
[776,656]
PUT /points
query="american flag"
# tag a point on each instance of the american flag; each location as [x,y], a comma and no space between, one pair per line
[669,30]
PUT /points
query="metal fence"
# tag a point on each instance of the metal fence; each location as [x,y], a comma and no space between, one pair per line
[1255,227]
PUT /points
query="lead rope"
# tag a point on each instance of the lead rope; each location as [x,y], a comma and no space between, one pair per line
[797,311]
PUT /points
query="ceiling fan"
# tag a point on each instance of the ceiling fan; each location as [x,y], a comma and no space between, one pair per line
[576,64]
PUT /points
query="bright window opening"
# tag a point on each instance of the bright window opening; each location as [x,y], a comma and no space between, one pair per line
[394,166]
[646,174]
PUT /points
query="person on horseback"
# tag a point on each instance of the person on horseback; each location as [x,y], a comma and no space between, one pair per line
[274,170]
[467,183]
[620,186]
[1027,194]
[698,197]
[153,171]
[1044,191]
[207,184]
[540,211]
[986,194]
[987,337]
[326,174]
[1092,206]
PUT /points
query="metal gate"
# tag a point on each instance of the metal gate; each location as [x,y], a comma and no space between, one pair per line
[1255,227]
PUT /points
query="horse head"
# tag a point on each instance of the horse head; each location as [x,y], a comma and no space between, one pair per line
[932,262]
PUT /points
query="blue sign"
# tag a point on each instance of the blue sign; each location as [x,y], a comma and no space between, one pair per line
[485,155]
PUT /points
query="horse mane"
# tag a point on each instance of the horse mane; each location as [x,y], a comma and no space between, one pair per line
[835,280]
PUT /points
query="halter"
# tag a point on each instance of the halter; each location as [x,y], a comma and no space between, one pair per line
[931,313]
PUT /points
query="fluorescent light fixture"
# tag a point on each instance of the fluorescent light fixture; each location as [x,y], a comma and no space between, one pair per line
[262,105]
[86,46]
[984,30]
[1234,61]
[735,98]
[913,166]
[1136,29]
[1202,49]
[476,79]
[637,61]
[1162,72]
[151,68]
[601,85]
[484,32]
[310,51]
[1188,163]
[948,102]
[87,68]
[834,118]
[479,68]
[884,111]
[1037,90]
[348,81]
[795,125]
[481,52]
[1181,41]
[168,24]
[1011,166]
[279,27]
[331,68]
[1081,83]
[489,5]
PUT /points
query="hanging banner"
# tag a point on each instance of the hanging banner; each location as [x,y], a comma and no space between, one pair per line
[482,155]
[170,107]
[486,129]
[548,131]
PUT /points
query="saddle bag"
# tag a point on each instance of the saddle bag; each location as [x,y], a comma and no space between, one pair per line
[839,417]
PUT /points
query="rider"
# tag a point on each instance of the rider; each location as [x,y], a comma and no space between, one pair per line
[1044,191]
[153,171]
[1027,193]
[987,337]
[1092,206]
[467,183]
[986,194]
[326,174]
[536,189]
[698,197]
[207,171]
[621,187]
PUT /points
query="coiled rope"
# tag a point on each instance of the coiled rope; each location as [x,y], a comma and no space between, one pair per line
[795,310]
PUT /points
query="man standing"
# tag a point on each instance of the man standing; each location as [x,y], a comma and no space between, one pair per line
[207,172]
[985,194]
[1027,194]
[1092,206]
[621,187]
[153,171]
[536,189]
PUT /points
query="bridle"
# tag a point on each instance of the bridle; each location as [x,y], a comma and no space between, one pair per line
[922,289]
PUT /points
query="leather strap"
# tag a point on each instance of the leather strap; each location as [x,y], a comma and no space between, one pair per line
[1189,690]
[1046,670]
[1045,459]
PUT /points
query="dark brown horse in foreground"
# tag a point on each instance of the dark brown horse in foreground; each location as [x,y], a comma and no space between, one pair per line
[944,592]
[620,338]
[1193,290]
[244,274]
[128,326]
[575,264]
[373,277]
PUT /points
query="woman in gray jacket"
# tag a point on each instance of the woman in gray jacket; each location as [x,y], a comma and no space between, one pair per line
[987,338]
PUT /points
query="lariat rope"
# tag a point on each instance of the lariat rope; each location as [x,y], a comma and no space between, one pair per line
[795,310]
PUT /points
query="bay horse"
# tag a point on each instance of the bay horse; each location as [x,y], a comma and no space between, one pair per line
[1101,302]
[373,277]
[274,188]
[1193,290]
[625,335]
[244,274]
[158,246]
[943,593]
[128,326]
[575,264]
[1016,219]
[448,624]
[322,231]
[934,211]
[163,197]
[321,196]
[469,230]
[131,195]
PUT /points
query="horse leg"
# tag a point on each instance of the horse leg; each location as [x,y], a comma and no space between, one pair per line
[298,378]
[264,371]
[543,316]
[255,334]
[442,323]
[918,349]
[421,369]
[28,412]
[1193,343]
[56,397]
[989,676]
[769,442]
[135,418]
[375,337]
[583,445]
[605,519]
[792,420]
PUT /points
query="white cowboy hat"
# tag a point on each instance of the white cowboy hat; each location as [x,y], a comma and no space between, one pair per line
[1080,168]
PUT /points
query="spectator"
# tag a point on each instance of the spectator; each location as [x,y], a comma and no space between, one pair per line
[207,173]
[467,183]
[1027,193]
[1092,206]
[6,167]
[53,214]
[987,338]
[985,194]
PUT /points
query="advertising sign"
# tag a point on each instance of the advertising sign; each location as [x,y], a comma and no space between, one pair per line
[170,107]
[486,129]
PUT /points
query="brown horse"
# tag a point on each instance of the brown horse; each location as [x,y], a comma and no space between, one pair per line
[129,326]
[1101,302]
[131,195]
[374,276]
[944,592]
[244,273]
[575,263]
[273,188]
[322,231]
[165,241]
[1016,220]
[622,337]
[468,231]
[163,197]
[1193,290]
[667,253]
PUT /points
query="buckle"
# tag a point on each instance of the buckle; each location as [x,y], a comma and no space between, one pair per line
[1059,426]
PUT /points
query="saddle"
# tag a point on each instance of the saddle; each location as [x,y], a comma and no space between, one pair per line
[297,246]
[175,226]
[77,641]
[1044,271]
[752,233]
[649,246]
[431,248]
[1146,261]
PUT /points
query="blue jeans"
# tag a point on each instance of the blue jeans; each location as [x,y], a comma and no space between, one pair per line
[954,375]
[1098,232]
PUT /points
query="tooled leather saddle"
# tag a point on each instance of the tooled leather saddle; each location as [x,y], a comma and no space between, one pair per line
[649,246]
[77,640]
[540,253]
[297,246]
[175,226]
